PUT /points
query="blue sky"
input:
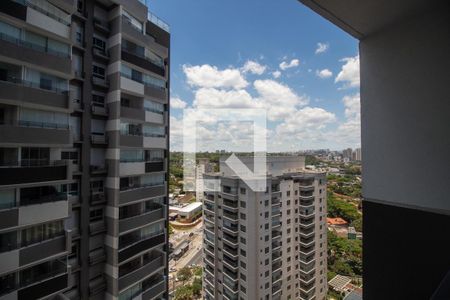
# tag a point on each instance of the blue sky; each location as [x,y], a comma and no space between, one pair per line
[227,54]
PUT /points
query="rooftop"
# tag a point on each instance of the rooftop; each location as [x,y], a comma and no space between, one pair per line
[336,221]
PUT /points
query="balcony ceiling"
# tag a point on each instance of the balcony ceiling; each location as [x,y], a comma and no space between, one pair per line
[360,18]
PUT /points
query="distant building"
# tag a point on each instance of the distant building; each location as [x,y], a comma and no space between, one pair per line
[351,233]
[347,154]
[204,166]
[190,213]
[337,222]
[266,244]
[358,156]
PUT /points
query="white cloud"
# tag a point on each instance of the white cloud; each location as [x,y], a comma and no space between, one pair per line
[349,73]
[314,118]
[322,47]
[276,74]
[216,98]
[279,99]
[349,131]
[325,73]
[211,77]
[287,65]
[253,67]
[177,103]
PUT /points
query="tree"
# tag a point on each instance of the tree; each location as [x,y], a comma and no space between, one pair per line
[198,271]
[184,292]
[197,286]
[170,229]
[184,274]
[357,224]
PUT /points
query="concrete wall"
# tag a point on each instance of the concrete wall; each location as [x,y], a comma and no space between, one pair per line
[406,113]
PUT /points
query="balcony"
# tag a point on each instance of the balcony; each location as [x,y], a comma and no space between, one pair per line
[230,251]
[100,53]
[306,222]
[36,282]
[231,205]
[230,216]
[306,187]
[306,242]
[101,25]
[27,51]
[307,250]
[98,197]
[307,295]
[276,234]
[307,268]
[307,278]
[154,287]
[230,240]
[138,193]
[133,222]
[209,249]
[277,266]
[276,201]
[276,255]
[158,22]
[230,228]
[38,133]
[276,288]
[276,245]
[232,264]
[307,232]
[306,212]
[97,227]
[154,166]
[307,258]
[142,61]
[230,274]
[276,276]
[100,82]
[141,245]
[34,172]
[97,256]
[150,265]
[99,110]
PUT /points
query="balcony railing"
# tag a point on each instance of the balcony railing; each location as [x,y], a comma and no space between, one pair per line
[44,199]
[158,22]
[35,85]
[63,19]
[27,44]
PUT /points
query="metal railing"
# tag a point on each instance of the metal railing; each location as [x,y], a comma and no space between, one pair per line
[44,11]
[158,22]
[36,85]
[23,43]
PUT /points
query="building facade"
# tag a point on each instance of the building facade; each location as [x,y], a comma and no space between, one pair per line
[204,166]
[266,245]
[84,91]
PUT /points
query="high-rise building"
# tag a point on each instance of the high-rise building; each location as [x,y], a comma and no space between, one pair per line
[266,245]
[204,166]
[347,154]
[83,150]
[358,154]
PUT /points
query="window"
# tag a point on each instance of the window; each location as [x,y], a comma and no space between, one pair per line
[243,252]
[7,199]
[45,81]
[35,156]
[243,191]
[70,189]
[243,204]
[70,155]
[153,106]
[98,100]
[135,23]
[153,130]
[96,215]
[243,264]
[79,33]
[98,71]
[288,193]
[243,241]
[99,43]
[42,232]
[8,241]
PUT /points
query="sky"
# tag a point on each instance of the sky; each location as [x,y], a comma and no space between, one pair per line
[278,57]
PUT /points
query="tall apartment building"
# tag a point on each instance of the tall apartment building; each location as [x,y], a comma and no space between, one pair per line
[204,166]
[266,245]
[84,89]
